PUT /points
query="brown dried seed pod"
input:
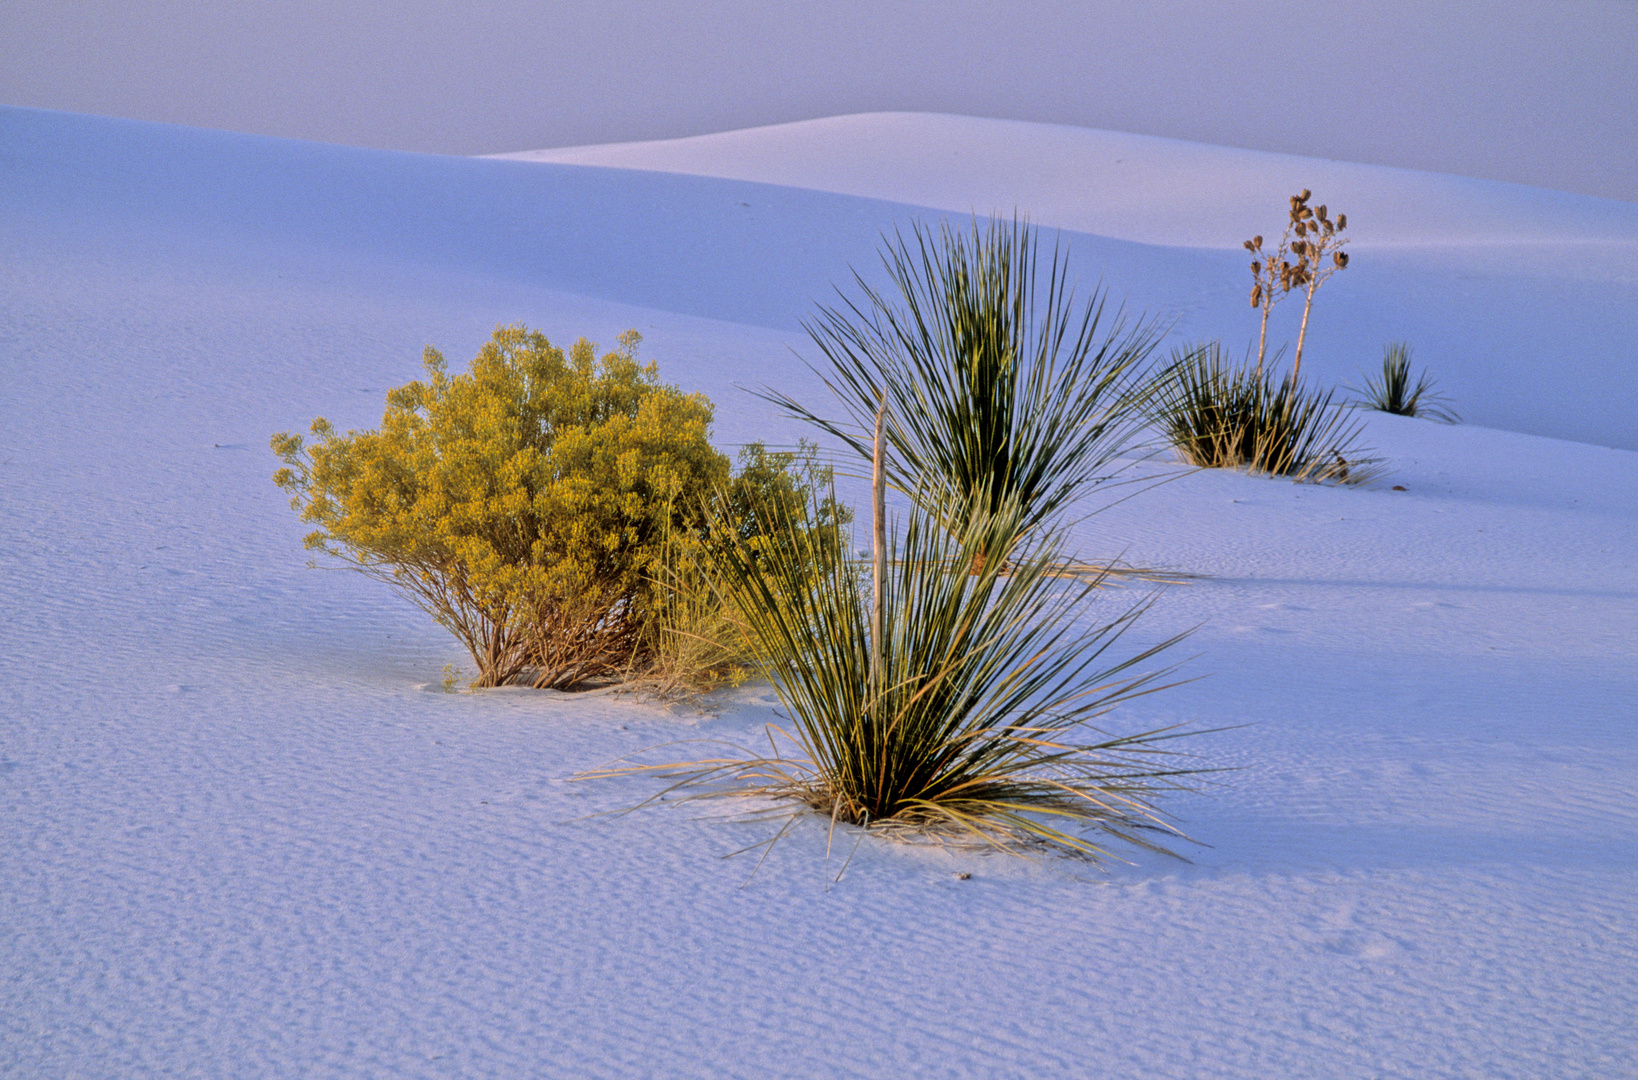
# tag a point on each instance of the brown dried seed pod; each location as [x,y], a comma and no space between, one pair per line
[1341,259]
[1305,194]
[1256,266]
[1256,296]
[1321,211]
[1257,240]
[1302,230]
[1342,221]
[1248,246]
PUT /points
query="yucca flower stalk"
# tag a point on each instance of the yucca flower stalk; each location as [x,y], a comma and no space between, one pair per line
[1318,248]
[1310,235]
[1271,276]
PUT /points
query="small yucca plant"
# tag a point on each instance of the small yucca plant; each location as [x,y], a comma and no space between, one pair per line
[1397,393]
[1221,415]
[694,642]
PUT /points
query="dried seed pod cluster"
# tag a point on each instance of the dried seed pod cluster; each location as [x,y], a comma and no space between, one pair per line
[1310,236]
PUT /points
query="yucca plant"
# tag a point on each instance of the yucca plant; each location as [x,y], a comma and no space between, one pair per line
[966,715]
[1004,388]
[1221,415]
[1396,393]
[952,690]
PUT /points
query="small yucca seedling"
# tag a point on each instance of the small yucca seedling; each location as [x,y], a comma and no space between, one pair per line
[1396,393]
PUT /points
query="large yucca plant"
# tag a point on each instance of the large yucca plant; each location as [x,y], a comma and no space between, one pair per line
[955,691]
[1003,387]
[967,714]
[1397,393]
[1223,415]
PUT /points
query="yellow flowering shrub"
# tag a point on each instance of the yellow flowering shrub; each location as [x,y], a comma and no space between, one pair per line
[525,504]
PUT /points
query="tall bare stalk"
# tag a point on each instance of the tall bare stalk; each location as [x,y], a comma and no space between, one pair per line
[878,546]
[1269,272]
[1317,237]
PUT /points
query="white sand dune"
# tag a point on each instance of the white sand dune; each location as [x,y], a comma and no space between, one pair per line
[1112,183]
[1524,297]
[242,840]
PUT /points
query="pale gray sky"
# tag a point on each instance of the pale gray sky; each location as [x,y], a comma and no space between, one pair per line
[1540,93]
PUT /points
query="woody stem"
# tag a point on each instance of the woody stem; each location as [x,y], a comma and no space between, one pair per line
[878,546]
